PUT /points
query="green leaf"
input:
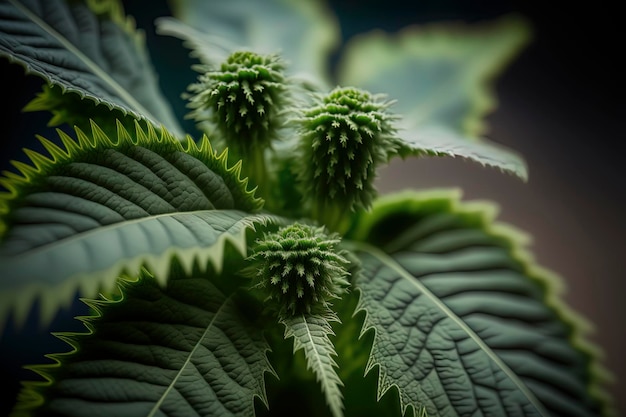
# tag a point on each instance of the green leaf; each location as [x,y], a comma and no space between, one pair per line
[458,306]
[353,351]
[441,77]
[99,57]
[441,74]
[99,207]
[304,33]
[442,141]
[180,350]
[311,332]
[72,110]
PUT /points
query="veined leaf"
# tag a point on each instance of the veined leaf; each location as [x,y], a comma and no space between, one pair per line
[311,333]
[353,351]
[100,57]
[458,307]
[441,74]
[72,110]
[442,141]
[304,33]
[179,350]
[99,207]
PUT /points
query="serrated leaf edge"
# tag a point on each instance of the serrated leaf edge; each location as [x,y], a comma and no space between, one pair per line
[519,240]
[16,182]
[384,384]
[89,283]
[138,110]
[29,398]
[327,317]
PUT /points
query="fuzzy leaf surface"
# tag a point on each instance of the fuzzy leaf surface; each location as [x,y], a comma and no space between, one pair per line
[464,322]
[101,207]
[183,350]
[101,58]
[311,332]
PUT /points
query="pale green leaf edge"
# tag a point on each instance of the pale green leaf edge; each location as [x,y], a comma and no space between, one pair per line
[581,328]
[15,183]
[516,33]
[89,283]
[52,298]
[385,382]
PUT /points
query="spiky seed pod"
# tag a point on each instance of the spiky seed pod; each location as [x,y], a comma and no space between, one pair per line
[243,100]
[301,268]
[345,136]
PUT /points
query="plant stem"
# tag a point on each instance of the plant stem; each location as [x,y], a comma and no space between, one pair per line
[255,168]
[330,214]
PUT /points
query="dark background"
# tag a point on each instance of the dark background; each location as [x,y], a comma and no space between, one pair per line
[559,105]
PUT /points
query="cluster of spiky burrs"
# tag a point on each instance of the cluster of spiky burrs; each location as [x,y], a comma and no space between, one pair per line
[243,99]
[301,268]
[345,136]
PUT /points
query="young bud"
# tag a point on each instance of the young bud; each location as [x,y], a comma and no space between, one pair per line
[345,136]
[244,98]
[300,268]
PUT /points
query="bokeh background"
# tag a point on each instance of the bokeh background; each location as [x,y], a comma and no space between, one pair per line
[561,105]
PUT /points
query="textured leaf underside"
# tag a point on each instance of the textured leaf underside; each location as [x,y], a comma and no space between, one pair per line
[441,141]
[96,57]
[312,334]
[464,323]
[99,207]
[183,350]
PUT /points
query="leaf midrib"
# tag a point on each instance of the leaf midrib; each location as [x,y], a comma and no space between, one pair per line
[118,89]
[98,230]
[317,356]
[326,381]
[388,261]
[156,407]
